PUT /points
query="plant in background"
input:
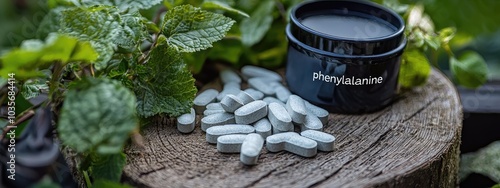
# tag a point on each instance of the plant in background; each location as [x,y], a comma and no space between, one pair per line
[104,67]
[469,69]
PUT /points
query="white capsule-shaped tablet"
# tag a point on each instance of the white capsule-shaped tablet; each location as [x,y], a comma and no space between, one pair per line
[282,93]
[325,141]
[250,149]
[229,75]
[251,112]
[186,122]
[245,98]
[296,108]
[228,91]
[292,142]
[230,103]
[256,95]
[215,131]
[261,85]
[230,143]
[279,117]
[234,85]
[311,122]
[277,131]
[263,127]
[321,113]
[203,99]
[214,106]
[250,71]
[270,100]
[216,119]
[208,112]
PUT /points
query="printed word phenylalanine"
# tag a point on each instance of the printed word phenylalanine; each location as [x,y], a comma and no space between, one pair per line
[346,80]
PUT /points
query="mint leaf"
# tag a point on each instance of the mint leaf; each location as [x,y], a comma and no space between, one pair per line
[123,5]
[219,5]
[415,69]
[164,84]
[469,69]
[254,28]
[97,114]
[108,184]
[100,25]
[33,88]
[133,30]
[191,29]
[108,167]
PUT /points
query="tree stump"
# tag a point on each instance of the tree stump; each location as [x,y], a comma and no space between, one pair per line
[411,143]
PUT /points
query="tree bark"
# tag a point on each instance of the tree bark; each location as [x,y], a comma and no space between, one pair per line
[411,143]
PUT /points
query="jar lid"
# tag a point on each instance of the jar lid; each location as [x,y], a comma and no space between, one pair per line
[347,27]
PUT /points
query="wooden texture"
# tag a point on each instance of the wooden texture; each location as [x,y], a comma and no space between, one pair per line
[412,143]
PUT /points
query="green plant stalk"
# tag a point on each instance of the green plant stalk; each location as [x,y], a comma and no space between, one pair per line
[87,179]
[54,81]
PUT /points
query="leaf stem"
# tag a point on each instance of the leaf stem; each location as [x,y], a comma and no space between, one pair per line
[87,179]
[54,81]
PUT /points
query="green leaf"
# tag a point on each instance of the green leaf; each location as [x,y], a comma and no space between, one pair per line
[34,55]
[191,29]
[50,23]
[164,84]
[108,167]
[219,5]
[254,28]
[108,184]
[469,69]
[496,186]
[485,162]
[195,60]
[415,69]
[33,88]
[97,114]
[123,5]
[46,182]
[133,30]
[99,24]
[447,34]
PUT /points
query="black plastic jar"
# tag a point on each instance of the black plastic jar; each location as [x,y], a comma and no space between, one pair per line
[337,67]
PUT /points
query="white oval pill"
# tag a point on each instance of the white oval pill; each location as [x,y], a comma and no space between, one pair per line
[325,141]
[230,103]
[214,106]
[311,122]
[215,131]
[229,75]
[228,91]
[230,143]
[279,117]
[185,122]
[208,112]
[292,142]
[261,85]
[203,99]
[321,113]
[250,71]
[245,98]
[270,100]
[250,149]
[282,93]
[251,112]
[256,95]
[263,127]
[216,119]
[296,108]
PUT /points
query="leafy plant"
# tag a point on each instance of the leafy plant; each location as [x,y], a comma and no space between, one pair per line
[468,69]
[104,66]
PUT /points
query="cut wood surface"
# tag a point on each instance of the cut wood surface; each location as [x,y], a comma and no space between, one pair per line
[411,143]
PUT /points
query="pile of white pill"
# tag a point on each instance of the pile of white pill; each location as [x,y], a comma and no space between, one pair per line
[242,121]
